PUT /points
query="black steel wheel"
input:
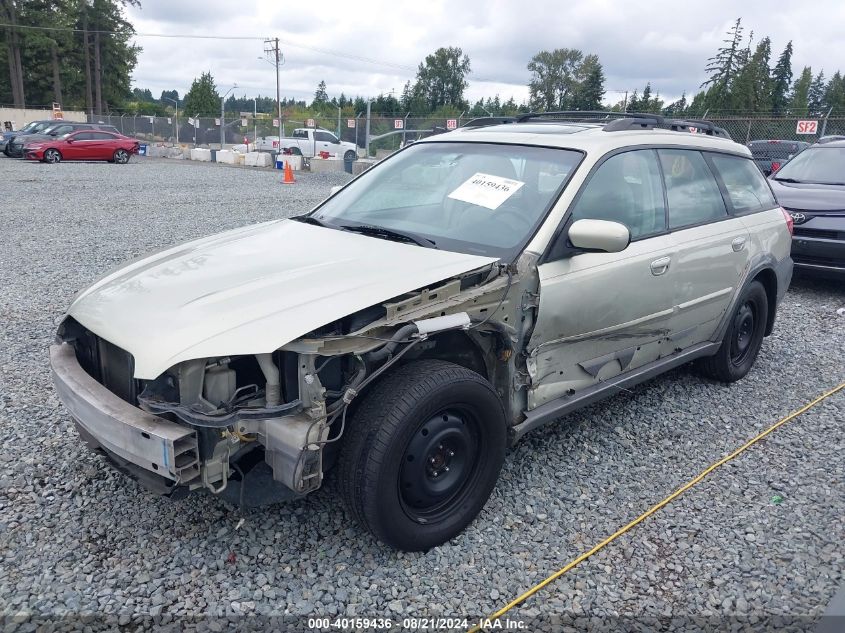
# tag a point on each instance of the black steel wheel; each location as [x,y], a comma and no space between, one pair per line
[423,453]
[350,156]
[743,337]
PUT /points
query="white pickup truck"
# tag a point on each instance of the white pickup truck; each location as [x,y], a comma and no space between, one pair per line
[308,142]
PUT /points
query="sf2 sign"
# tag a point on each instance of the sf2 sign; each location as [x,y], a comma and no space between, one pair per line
[807,127]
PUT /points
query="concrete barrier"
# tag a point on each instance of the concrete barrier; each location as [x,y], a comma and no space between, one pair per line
[201,154]
[258,159]
[319,165]
[226,156]
[383,153]
[360,166]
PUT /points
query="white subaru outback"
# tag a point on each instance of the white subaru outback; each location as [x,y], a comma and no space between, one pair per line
[466,290]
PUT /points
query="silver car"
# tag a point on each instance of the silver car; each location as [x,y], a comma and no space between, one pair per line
[470,288]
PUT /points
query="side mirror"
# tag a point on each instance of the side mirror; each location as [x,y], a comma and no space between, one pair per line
[599,235]
[335,189]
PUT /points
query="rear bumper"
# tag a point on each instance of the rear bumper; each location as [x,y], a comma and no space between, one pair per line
[139,440]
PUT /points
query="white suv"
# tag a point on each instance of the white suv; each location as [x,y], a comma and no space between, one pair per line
[466,290]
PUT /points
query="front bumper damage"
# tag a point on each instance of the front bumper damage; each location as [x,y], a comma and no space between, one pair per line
[165,450]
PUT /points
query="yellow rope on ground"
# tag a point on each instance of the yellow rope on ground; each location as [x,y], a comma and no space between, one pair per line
[692,482]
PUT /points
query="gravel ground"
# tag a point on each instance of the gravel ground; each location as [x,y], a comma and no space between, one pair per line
[759,538]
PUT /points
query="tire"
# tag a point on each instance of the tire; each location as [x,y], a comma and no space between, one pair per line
[350,156]
[52,156]
[743,337]
[121,157]
[422,454]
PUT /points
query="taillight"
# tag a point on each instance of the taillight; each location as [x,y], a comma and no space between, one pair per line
[775,166]
[790,223]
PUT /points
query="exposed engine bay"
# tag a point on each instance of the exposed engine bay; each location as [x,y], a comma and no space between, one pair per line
[282,413]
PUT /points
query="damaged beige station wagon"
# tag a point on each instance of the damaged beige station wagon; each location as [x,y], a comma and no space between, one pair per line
[466,290]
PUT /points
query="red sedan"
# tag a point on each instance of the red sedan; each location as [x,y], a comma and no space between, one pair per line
[83,145]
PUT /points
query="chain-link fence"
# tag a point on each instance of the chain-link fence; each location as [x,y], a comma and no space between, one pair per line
[391,133]
[388,133]
[744,130]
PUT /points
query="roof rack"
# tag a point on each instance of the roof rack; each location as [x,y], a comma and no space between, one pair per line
[619,121]
[490,120]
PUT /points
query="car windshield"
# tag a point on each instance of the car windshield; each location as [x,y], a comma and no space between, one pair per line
[817,165]
[478,198]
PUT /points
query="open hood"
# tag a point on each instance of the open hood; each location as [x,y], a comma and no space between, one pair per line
[252,290]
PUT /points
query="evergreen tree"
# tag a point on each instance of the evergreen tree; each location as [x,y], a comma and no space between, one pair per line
[677,108]
[782,80]
[589,84]
[320,95]
[202,99]
[723,67]
[800,102]
[834,95]
[815,99]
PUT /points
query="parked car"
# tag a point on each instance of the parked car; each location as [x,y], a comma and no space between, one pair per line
[470,288]
[308,142]
[771,155]
[811,188]
[58,129]
[33,127]
[83,145]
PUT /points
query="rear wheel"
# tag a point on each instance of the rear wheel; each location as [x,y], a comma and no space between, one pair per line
[350,156]
[423,454]
[743,338]
[121,157]
[52,156]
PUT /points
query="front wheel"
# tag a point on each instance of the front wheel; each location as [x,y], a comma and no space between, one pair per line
[423,454]
[350,156]
[743,337]
[121,157]
[52,156]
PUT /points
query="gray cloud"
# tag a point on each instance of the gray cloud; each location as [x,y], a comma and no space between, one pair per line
[657,41]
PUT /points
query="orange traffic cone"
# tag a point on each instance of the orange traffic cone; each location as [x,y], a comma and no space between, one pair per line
[289,179]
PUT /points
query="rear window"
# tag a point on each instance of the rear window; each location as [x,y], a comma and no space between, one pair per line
[747,190]
[691,190]
[300,134]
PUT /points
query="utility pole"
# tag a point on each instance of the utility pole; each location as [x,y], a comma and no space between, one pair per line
[271,49]
[367,133]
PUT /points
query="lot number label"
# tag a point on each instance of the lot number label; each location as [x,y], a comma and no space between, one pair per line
[807,127]
[486,190]
[451,124]
[398,124]
[350,123]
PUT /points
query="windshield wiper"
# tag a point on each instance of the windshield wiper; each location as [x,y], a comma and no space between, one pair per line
[380,231]
[793,180]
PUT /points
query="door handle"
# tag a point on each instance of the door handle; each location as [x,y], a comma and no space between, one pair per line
[660,266]
[738,244]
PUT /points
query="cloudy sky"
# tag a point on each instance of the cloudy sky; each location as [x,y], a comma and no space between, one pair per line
[374,46]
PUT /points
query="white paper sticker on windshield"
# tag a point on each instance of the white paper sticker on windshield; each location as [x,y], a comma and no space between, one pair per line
[486,190]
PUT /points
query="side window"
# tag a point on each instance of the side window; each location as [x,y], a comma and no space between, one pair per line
[62,130]
[325,137]
[691,189]
[626,188]
[102,136]
[747,190]
[300,134]
[83,136]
